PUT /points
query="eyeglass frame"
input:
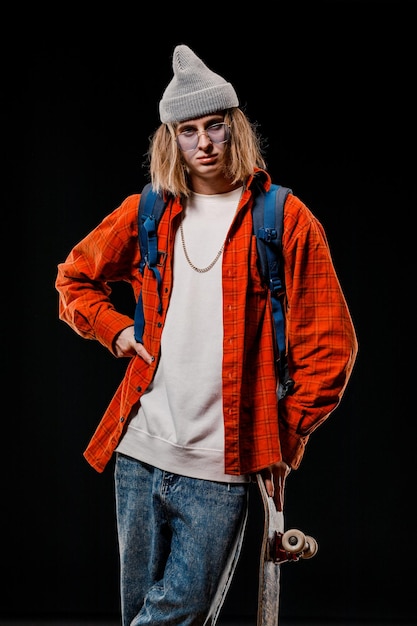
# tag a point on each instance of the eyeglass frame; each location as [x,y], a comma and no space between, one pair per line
[205,132]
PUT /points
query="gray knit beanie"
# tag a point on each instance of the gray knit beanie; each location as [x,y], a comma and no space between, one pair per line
[195,90]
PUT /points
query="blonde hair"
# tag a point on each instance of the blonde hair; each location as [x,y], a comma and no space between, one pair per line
[243,152]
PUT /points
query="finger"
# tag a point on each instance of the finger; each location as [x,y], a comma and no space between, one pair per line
[268,481]
[269,486]
[280,489]
[144,354]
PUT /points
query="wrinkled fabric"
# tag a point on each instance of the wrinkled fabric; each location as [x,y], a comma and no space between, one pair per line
[322,345]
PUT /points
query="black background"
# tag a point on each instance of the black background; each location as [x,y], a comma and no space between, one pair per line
[331,85]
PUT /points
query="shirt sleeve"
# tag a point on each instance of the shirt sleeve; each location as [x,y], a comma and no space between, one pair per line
[107,254]
[322,344]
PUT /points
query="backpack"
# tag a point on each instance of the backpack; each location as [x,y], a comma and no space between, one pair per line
[267,216]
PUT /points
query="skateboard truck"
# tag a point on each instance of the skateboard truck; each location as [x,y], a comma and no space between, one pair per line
[291,545]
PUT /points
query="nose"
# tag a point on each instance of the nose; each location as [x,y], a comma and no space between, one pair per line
[204,134]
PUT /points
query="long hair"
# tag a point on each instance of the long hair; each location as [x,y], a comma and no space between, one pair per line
[243,152]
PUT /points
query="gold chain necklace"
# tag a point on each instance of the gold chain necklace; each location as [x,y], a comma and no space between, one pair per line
[202,270]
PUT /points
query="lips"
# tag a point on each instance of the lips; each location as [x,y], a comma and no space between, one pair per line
[207,159]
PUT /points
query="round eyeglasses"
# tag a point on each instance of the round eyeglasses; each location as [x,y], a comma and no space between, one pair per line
[217,133]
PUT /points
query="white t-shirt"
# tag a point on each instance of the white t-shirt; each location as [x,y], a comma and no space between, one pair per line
[179,426]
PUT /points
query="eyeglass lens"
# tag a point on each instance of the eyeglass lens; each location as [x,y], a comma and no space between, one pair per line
[217,133]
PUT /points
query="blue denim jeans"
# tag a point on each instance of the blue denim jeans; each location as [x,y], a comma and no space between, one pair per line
[179,541]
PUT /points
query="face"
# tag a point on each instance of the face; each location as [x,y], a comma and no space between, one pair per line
[202,143]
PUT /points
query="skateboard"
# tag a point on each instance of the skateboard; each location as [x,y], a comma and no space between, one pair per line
[278,546]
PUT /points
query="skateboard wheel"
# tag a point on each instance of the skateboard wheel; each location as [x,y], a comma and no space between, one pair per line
[293,541]
[310,548]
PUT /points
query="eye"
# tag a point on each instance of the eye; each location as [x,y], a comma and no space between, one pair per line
[188,132]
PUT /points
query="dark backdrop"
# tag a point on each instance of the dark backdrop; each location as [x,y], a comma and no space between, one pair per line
[331,85]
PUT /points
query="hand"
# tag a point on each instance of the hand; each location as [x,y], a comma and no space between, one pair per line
[126,345]
[274,478]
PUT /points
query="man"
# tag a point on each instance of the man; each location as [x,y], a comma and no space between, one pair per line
[196,415]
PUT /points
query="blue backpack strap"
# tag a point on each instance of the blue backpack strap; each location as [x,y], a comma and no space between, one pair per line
[269,207]
[151,207]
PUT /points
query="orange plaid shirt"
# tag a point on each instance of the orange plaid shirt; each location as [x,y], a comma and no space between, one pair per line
[322,345]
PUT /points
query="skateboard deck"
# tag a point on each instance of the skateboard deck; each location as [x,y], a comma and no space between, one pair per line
[278,546]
